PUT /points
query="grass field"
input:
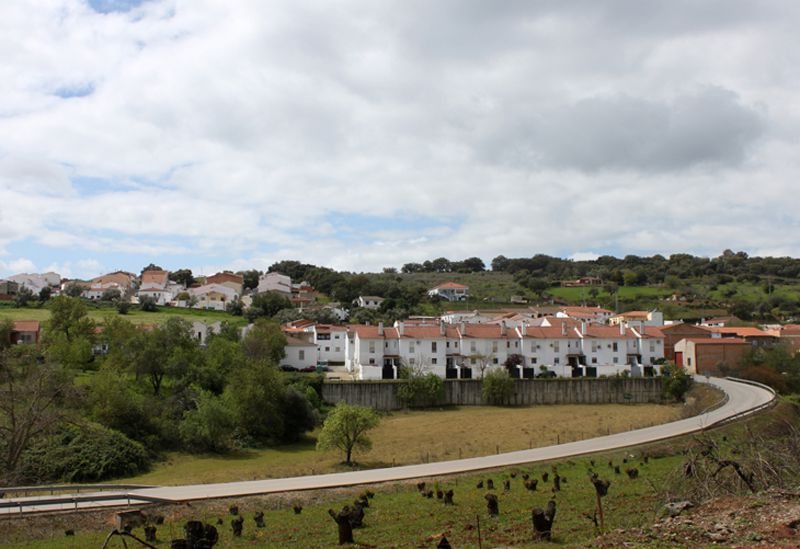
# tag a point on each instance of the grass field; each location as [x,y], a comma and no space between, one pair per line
[98,313]
[420,436]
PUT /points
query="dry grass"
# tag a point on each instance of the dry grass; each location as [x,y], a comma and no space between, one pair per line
[420,436]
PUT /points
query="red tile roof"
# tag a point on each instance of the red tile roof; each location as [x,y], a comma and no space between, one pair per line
[717,341]
[741,331]
[450,285]
[26,326]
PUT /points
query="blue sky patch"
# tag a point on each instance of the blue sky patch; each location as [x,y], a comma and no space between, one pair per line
[110,6]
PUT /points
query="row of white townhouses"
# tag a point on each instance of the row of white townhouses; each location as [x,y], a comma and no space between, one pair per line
[563,347]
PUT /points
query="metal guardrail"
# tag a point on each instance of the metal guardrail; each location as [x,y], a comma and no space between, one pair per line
[73,501]
[70,488]
[755,410]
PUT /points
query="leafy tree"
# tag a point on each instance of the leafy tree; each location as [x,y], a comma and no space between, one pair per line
[182,276]
[45,293]
[235,307]
[151,267]
[346,429]
[73,289]
[412,268]
[250,278]
[299,414]
[210,426]
[23,297]
[148,304]
[168,350]
[71,333]
[123,307]
[30,394]
[6,329]
[111,294]
[265,341]
[676,382]
[420,390]
[267,304]
[255,395]
[498,387]
[473,265]
[114,403]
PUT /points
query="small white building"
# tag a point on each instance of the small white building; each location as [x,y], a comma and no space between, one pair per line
[212,296]
[299,353]
[451,291]
[275,282]
[369,301]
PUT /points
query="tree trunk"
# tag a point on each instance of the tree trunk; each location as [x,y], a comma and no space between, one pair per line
[543,521]
[343,522]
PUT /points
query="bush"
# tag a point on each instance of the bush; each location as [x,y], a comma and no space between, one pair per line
[210,427]
[148,304]
[676,382]
[85,453]
[420,391]
[498,387]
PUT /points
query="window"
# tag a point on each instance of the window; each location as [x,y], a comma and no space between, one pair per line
[494,361]
[412,360]
[594,360]
[433,361]
[689,361]
[327,349]
[371,346]
[433,346]
[616,360]
[557,347]
[448,345]
[615,346]
[472,346]
[494,346]
[336,336]
[533,360]
[533,346]
[411,347]
[556,360]
[372,361]
[472,361]
[652,346]
[338,349]
[301,354]
[594,346]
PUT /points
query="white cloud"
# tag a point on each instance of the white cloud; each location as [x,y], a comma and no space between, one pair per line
[239,130]
[16,266]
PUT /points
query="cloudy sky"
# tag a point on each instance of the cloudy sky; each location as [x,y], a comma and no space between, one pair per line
[230,134]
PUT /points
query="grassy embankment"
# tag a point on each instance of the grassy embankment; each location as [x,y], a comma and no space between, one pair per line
[399,517]
[99,313]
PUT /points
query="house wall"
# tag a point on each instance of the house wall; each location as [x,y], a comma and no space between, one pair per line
[383,395]
[300,356]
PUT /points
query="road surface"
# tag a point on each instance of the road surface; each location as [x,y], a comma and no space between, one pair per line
[742,398]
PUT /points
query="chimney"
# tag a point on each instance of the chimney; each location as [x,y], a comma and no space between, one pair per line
[524,328]
[401,328]
[583,327]
[563,328]
[503,329]
[463,327]
[442,327]
[380,328]
[622,328]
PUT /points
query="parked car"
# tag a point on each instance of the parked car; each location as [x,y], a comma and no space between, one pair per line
[287,368]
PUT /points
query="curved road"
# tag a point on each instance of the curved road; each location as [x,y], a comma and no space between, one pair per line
[743,398]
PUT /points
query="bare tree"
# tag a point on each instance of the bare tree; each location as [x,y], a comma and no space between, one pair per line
[30,394]
[482,360]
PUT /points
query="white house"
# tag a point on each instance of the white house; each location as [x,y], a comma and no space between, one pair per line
[212,296]
[451,291]
[299,353]
[330,340]
[637,319]
[369,301]
[35,282]
[275,282]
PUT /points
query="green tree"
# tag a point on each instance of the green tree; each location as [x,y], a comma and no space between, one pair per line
[182,276]
[676,381]
[267,304]
[420,390]
[167,351]
[250,278]
[71,333]
[498,387]
[210,426]
[265,341]
[346,429]
[148,304]
[23,297]
[73,289]
[111,294]
[6,328]
[255,395]
[45,293]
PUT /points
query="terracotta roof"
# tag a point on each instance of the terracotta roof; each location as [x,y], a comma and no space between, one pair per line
[449,285]
[741,331]
[717,341]
[549,332]
[422,332]
[578,310]
[634,314]
[296,342]
[225,277]
[154,277]
[26,325]
[487,331]
[609,332]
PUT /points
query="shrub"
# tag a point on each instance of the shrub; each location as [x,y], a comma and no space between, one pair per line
[676,382]
[420,391]
[210,427]
[148,304]
[498,387]
[85,453]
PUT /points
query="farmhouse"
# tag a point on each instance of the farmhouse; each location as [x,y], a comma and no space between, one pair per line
[451,291]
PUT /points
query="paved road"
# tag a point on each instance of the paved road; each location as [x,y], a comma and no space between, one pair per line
[741,399]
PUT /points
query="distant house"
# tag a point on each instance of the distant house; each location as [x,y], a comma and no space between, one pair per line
[369,301]
[582,281]
[710,356]
[275,282]
[212,296]
[36,282]
[637,319]
[8,289]
[451,291]
[26,331]
[156,285]
[676,332]
[233,281]
[589,314]
[299,353]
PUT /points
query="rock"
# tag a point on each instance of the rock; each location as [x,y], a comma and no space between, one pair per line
[673,509]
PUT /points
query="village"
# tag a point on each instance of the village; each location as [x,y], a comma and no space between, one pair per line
[529,342]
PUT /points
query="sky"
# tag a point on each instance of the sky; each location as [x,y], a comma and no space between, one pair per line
[360,135]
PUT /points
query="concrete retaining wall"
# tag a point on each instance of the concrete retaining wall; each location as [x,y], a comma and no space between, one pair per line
[382,395]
